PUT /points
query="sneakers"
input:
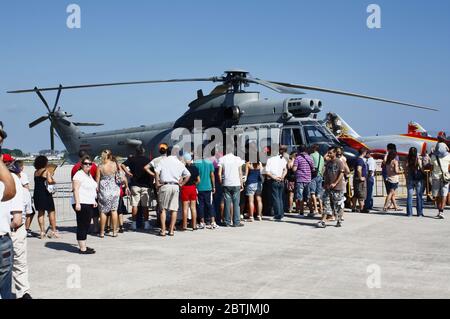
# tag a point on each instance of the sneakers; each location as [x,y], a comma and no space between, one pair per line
[147,225]
[133,226]
[339,224]
[88,251]
[212,226]
[238,225]
[29,233]
[321,224]
[201,226]
[259,218]
[121,231]
[440,216]
[26,296]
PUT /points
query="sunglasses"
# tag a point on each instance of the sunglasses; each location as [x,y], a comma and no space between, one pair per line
[87,164]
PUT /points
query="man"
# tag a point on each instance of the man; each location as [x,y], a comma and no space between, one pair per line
[303,167]
[7,192]
[77,166]
[206,188]
[315,187]
[230,176]
[276,171]
[333,197]
[372,168]
[171,174]
[440,175]
[141,183]
[359,181]
[19,238]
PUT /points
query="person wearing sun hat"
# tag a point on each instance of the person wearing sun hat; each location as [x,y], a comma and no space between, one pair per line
[440,160]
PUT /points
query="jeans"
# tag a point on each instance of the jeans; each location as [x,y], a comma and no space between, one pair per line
[232,195]
[277,199]
[368,204]
[411,186]
[302,191]
[205,208]
[6,266]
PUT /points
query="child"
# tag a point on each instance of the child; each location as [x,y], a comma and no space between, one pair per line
[28,207]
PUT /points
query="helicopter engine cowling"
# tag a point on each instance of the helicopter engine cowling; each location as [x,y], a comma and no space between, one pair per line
[317,106]
[301,107]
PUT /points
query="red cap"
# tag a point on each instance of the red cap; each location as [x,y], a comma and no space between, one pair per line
[7,158]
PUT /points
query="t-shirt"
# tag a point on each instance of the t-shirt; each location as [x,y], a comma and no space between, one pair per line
[319,162]
[332,171]
[171,169]
[371,165]
[231,165]
[88,188]
[77,167]
[205,168]
[155,162]
[140,177]
[17,203]
[275,166]
[445,162]
[360,162]
[304,165]
[5,217]
[194,174]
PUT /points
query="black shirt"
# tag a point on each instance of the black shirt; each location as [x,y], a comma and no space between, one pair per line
[140,177]
[194,174]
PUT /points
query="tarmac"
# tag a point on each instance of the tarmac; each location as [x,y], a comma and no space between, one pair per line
[373,255]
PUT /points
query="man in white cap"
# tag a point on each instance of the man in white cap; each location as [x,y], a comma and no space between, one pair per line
[440,175]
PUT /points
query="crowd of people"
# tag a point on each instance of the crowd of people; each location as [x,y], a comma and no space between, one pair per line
[203,192]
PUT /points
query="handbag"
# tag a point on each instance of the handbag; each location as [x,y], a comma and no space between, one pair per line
[445,175]
[50,188]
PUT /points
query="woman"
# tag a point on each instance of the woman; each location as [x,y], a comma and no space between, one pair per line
[124,191]
[108,179]
[290,182]
[392,180]
[28,206]
[84,197]
[253,189]
[414,181]
[189,196]
[43,199]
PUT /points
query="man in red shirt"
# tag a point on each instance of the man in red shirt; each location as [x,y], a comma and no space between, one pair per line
[77,166]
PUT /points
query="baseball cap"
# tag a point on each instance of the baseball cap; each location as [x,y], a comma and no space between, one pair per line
[163,146]
[14,168]
[8,158]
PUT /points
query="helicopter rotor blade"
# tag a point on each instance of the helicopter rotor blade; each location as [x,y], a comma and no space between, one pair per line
[38,92]
[212,79]
[52,137]
[57,98]
[325,90]
[87,124]
[38,121]
[273,86]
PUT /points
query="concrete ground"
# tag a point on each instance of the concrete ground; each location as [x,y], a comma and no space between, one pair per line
[372,256]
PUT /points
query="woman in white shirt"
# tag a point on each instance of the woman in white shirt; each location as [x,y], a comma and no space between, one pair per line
[85,200]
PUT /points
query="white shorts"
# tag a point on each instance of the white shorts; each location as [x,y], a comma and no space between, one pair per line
[439,188]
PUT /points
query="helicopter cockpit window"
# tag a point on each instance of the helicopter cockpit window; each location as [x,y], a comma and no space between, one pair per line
[286,136]
[315,135]
[297,137]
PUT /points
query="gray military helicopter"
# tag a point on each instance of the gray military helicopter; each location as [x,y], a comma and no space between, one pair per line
[294,120]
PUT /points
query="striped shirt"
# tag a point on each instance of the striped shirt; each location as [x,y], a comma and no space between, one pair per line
[304,164]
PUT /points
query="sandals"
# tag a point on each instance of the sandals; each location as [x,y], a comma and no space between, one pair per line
[171,234]
[162,234]
[53,234]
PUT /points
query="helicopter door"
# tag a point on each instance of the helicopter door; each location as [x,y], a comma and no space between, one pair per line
[292,138]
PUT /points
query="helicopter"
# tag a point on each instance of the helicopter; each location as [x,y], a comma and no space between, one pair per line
[228,105]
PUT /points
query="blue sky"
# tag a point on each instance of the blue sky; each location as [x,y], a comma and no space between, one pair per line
[324,43]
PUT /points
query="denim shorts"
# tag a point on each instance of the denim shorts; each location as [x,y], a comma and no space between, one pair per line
[391,186]
[253,189]
[302,191]
[316,187]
